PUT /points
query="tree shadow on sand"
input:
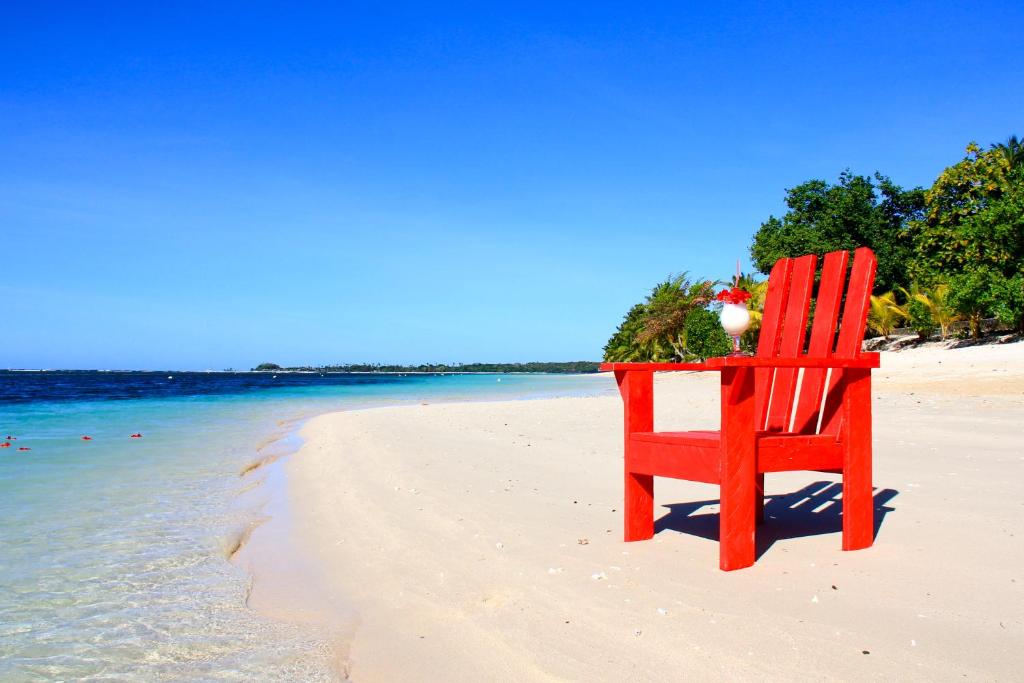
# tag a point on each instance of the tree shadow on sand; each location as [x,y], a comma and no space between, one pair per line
[811,511]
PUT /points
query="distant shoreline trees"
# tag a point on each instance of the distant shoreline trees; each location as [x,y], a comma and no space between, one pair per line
[569,367]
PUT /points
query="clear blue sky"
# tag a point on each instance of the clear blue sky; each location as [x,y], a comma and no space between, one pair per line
[205,188]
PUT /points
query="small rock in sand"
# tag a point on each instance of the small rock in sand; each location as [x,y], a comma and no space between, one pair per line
[582,541]
[599,576]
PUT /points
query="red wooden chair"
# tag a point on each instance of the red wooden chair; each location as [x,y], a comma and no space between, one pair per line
[790,407]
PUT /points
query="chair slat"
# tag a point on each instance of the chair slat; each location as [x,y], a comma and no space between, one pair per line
[771,325]
[851,330]
[823,335]
[794,332]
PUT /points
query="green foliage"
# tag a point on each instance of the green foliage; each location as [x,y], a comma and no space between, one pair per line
[1008,301]
[654,330]
[930,307]
[961,243]
[973,295]
[758,289]
[263,367]
[667,308]
[1012,151]
[623,346]
[704,335]
[917,311]
[920,318]
[852,213]
[972,234]
[974,218]
[885,314]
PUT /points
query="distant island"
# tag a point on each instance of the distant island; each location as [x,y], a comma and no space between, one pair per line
[568,368]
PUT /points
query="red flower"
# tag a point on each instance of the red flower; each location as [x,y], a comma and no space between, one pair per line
[733,296]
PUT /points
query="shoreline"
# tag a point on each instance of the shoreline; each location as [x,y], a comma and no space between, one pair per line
[285,583]
[282,584]
[482,540]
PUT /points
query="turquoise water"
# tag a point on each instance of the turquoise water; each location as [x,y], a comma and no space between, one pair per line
[114,551]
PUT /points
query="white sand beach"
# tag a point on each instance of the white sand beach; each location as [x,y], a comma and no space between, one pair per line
[482,541]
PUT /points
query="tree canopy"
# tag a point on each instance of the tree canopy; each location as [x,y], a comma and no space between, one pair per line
[657,329]
[856,211]
[973,217]
[971,234]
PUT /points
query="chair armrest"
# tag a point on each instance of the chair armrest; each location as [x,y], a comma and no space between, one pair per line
[863,361]
[655,367]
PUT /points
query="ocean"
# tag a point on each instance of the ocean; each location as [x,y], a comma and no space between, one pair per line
[115,550]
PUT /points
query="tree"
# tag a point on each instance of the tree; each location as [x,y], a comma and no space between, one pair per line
[704,335]
[623,346]
[931,307]
[666,310]
[973,218]
[655,329]
[857,211]
[1012,151]
[1008,301]
[972,234]
[973,295]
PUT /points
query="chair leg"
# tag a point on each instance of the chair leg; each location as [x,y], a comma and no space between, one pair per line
[639,507]
[858,502]
[759,499]
[738,509]
[858,506]
[736,527]
[858,511]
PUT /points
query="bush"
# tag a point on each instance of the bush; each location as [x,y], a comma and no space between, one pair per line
[973,296]
[705,337]
[1008,304]
[920,319]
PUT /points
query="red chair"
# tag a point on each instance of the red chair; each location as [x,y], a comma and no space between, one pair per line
[790,407]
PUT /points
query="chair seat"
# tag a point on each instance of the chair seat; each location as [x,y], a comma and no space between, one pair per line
[695,455]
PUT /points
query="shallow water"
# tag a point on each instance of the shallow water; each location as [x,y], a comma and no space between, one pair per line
[114,552]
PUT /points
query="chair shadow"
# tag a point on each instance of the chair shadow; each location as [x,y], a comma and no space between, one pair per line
[811,511]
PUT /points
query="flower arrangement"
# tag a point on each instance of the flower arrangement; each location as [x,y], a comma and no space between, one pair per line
[733,296]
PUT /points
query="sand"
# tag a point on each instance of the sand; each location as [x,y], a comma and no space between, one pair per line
[482,541]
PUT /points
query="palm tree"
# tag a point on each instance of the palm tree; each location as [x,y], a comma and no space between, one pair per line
[758,289]
[885,314]
[936,302]
[1012,150]
[665,314]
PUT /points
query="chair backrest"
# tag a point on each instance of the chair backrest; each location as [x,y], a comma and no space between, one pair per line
[805,401]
